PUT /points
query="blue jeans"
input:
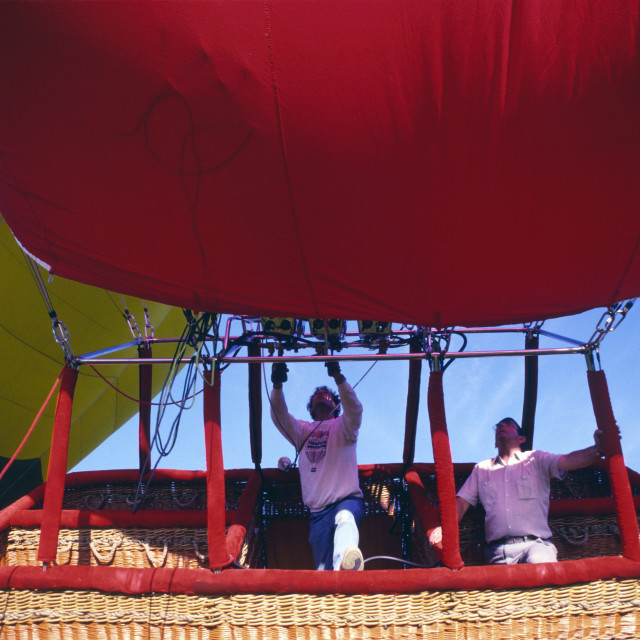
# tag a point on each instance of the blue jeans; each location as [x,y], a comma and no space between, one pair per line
[334,529]
[526,551]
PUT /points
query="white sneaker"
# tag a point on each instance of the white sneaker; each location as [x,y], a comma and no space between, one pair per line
[352,560]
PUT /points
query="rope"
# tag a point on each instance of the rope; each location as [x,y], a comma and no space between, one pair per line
[96,504]
[408,562]
[154,561]
[202,557]
[68,550]
[183,504]
[31,428]
[108,558]
[194,335]
[143,402]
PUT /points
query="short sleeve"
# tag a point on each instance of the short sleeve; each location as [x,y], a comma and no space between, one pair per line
[547,463]
[469,490]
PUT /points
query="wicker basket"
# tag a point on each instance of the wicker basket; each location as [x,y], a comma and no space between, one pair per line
[135,547]
[603,609]
[279,515]
[159,496]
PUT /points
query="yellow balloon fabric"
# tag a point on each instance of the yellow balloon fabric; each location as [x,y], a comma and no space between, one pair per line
[32,359]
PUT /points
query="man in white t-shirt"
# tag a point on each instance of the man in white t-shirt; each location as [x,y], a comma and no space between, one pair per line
[328,466]
[513,489]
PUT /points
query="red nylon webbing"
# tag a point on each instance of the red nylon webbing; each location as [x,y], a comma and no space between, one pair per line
[618,476]
[241,518]
[444,472]
[413,404]
[255,405]
[426,512]
[54,491]
[530,392]
[76,518]
[144,424]
[218,554]
[137,581]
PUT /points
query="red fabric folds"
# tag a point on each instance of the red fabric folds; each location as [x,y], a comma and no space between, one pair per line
[160,116]
[54,490]
[218,554]
[444,472]
[242,516]
[76,518]
[618,476]
[428,514]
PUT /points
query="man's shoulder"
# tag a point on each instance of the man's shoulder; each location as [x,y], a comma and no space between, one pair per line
[539,454]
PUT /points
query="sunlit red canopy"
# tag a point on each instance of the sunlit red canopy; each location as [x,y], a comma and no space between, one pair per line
[429,161]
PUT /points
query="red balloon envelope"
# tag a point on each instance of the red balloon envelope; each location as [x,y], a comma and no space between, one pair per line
[433,162]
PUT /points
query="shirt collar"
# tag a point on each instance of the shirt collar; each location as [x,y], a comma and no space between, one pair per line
[518,455]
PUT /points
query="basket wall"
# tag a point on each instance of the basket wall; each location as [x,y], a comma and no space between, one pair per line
[390,528]
[603,609]
[135,547]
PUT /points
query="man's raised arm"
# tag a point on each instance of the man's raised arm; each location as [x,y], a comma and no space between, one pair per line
[350,403]
[583,457]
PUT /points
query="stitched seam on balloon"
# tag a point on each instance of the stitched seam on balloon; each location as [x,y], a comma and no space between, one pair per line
[283,148]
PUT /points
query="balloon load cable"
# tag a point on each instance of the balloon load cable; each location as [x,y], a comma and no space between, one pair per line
[137,400]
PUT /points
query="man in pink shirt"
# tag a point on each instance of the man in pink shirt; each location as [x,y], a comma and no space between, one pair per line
[514,489]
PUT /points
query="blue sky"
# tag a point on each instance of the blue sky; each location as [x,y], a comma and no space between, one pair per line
[478,392]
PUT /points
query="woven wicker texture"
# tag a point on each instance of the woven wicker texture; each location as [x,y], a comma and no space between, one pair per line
[604,609]
[384,496]
[137,547]
[164,496]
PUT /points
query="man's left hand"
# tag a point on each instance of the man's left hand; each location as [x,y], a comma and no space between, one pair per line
[435,537]
[333,369]
[597,434]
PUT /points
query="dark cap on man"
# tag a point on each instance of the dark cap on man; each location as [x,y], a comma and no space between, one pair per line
[512,421]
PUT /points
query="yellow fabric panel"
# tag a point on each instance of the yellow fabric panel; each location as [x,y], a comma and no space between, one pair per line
[31,359]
